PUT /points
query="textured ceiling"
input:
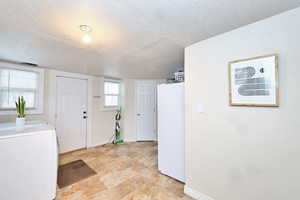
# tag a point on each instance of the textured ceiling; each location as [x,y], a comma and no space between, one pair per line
[131,38]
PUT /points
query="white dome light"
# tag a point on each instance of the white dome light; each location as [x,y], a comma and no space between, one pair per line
[85,28]
[87,39]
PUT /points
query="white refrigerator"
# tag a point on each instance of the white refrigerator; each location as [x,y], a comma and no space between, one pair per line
[171,137]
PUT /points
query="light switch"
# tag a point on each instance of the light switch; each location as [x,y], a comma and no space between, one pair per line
[200,108]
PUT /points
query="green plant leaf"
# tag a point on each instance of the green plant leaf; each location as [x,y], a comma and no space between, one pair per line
[21,107]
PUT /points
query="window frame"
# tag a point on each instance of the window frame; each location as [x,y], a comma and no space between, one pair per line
[105,107]
[39,109]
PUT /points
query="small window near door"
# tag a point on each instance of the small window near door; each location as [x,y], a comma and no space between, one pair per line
[111,94]
[19,81]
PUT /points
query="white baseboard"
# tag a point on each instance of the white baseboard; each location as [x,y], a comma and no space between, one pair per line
[103,143]
[130,140]
[195,194]
[97,144]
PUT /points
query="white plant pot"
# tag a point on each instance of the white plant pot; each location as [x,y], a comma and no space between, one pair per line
[20,124]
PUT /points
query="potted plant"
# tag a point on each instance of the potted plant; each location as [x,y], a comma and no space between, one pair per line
[20,120]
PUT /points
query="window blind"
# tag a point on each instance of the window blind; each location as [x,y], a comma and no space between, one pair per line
[15,83]
[111,93]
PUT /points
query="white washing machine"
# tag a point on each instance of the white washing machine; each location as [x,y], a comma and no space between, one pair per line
[28,162]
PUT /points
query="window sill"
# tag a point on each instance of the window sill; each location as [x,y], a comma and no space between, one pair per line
[13,112]
[107,109]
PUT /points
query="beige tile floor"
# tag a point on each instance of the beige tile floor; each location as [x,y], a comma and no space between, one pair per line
[124,172]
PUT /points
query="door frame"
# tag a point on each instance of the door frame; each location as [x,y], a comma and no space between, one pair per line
[52,88]
[155,81]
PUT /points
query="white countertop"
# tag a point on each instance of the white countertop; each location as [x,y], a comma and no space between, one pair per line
[8,130]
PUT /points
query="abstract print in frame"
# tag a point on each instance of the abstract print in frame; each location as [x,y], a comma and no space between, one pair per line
[254,81]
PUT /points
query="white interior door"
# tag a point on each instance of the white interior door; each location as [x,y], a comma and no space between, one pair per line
[71,108]
[146,110]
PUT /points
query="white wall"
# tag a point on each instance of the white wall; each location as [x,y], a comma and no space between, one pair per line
[248,153]
[103,121]
[129,108]
[129,113]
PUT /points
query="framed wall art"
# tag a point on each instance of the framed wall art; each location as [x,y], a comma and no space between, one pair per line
[254,81]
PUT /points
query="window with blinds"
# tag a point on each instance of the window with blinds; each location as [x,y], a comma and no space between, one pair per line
[19,80]
[111,93]
[15,83]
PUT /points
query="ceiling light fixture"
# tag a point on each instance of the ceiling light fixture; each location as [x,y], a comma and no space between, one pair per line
[87,29]
[87,38]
